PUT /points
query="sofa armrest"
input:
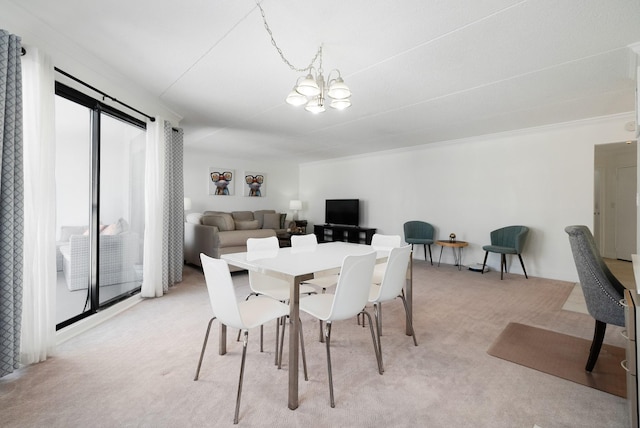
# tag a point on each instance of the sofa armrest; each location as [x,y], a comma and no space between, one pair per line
[199,238]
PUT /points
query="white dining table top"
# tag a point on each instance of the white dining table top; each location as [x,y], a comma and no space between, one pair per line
[300,261]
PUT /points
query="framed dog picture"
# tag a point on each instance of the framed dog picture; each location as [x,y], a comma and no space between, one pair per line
[255,184]
[221,181]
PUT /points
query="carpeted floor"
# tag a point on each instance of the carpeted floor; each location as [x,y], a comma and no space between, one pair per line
[137,368]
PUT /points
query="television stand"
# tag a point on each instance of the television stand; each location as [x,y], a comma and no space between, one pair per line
[330,233]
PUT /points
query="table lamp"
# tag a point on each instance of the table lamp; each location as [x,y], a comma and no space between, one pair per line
[295,205]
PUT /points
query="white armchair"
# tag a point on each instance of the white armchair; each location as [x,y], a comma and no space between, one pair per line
[117,256]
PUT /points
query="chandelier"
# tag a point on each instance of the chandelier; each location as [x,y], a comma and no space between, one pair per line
[313,89]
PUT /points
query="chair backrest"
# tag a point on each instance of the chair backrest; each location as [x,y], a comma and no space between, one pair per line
[385,242]
[263,248]
[352,291]
[395,274]
[309,240]
[222,293]
[510,236]
[602,291]
[418,229]
[262,244]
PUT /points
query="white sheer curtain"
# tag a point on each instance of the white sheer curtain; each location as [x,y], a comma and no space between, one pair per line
[154,214]
[39,271]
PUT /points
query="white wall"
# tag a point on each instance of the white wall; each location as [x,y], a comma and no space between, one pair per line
[281,183]
[542,178]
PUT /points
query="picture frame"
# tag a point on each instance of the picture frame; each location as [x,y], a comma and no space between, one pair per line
[254,184]
[221,181]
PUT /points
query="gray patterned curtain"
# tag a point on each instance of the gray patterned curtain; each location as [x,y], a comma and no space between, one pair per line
[11,201]
[173,206]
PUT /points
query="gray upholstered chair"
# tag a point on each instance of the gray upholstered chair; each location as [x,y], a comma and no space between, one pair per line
[421,233]
[602,291]
[507,240]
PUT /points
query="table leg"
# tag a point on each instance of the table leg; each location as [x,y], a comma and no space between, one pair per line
[409,296]
[294,336]
[441,248]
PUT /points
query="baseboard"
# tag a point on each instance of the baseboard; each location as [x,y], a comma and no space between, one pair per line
[88,323]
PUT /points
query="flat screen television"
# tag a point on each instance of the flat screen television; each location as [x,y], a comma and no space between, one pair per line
[344,212]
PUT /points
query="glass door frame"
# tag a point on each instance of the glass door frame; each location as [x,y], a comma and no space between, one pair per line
[96,109]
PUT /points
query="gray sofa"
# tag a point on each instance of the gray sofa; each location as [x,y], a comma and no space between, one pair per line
[215,233]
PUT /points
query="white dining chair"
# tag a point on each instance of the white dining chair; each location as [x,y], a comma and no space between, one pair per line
[261,284]
[244,315]
[350,298]
[308,241]
[385,243]
[391,287]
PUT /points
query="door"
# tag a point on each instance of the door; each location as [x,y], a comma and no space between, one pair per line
[625,229]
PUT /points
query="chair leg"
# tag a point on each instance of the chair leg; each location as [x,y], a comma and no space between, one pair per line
[406,311]
[503,264]
[425,251]
[304,356]
[204,346]
[375,345]
[280,343]
[277,335]
[244,357]
[327,339]
[596,344]
[486,254]
[522,264]
[377,319]
[430,256]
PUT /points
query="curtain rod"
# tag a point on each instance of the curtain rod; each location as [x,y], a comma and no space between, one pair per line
[151,118]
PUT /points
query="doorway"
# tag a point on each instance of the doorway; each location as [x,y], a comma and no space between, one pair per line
[615,209]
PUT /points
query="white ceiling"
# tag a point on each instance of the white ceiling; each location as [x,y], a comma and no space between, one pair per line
[420,71]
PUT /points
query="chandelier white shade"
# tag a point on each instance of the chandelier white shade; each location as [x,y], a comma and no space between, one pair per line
[312,92]
[313,89]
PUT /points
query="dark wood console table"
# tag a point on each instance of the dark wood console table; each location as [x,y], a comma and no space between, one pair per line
[358,235]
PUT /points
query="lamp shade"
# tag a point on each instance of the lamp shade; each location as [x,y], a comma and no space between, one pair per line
[295,98]
[187,204]
[338,90]
[295,205]
[308,87]
[341,104]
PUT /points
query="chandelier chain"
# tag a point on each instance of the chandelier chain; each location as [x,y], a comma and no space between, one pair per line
[284,59]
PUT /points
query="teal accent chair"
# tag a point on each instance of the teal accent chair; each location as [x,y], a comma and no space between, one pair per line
[507,240]
[421,233]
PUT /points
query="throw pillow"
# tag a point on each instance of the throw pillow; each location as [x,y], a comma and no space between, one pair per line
[112,229]
[259,215]
[194,218]
[246,224]
[223,222]
[242,215]
[271,221]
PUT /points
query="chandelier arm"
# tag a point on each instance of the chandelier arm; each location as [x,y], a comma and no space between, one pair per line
[275,45]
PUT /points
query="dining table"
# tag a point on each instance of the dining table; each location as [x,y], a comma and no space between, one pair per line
[296,265]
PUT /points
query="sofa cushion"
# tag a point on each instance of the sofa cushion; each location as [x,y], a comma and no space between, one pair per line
[259,215]
[271,221]
[242,215]
[194,218]
[224,222]
[247,224]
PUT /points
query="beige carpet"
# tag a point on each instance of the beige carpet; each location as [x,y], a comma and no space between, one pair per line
[136,370]
[561,355]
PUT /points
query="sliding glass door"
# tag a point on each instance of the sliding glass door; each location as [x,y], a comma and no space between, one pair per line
[100,157]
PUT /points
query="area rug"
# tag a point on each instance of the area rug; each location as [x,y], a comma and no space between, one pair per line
[561,355]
